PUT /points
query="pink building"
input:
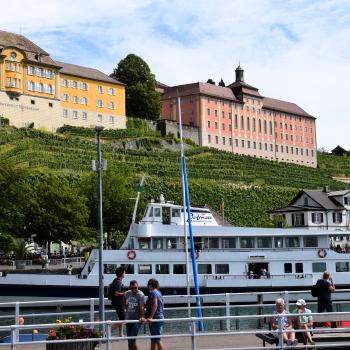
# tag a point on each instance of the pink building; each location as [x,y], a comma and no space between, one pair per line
[238,119]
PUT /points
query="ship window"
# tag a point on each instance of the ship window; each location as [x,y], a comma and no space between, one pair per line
[179,269]
[145,269]
[214,243]
[228,243]
[288,268]
[299,268]
[292,242]
[264,242]
[342,266]
[310,242]
[150,212]
[247,242]
[319,267]
[109,268]
[222,268]
[157,212]
[144,243]
[162,269]
[129,268]
[278,242]
[171,243]
[175,213]
[157,243]
[204,269]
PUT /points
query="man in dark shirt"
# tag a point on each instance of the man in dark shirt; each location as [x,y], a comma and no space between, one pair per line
[118,297]
[325,288]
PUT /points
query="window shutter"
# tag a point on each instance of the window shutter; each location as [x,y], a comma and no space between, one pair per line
[293,218]
[313,217]
[321,217]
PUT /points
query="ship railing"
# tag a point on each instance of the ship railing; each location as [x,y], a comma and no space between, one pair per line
[180,329]
[220,303]
[268,276]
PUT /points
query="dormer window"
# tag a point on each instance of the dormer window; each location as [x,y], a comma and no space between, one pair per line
[306,201]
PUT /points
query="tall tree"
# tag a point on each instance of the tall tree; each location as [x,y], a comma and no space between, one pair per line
[142,100]
[58,213]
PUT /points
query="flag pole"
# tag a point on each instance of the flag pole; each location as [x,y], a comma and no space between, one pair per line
[188,205]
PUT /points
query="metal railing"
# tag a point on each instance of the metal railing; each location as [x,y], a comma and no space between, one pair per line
[244,342]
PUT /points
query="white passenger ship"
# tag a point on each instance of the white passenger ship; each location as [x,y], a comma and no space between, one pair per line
[229,258]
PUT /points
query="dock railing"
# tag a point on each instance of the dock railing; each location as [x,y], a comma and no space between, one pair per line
[239,339]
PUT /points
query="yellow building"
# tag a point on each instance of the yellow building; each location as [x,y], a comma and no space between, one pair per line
[36,89]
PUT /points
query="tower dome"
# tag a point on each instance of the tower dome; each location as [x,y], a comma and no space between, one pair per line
[239,73]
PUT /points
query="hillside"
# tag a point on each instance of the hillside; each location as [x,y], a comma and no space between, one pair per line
[250,186]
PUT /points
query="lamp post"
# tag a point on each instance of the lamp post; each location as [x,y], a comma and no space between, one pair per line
[101,307]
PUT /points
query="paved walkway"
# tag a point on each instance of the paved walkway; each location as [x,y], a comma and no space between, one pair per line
[179,343]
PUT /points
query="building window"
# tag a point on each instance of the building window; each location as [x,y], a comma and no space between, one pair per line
[228,243]
[223,141]
[31,86]
[75,114]
[342,266]
[208,124]
[209,138]
[254,145]
[64,82]
[99,118]
[292,242]
[265,146]
[243,143]
[84,116]
[248,124]
[111,105]
[84,86]
[236,121]
[265,127]
[270,127]
[111,119]
[271,147]
[191,99]
[41,87]
[75,99]
[248,144]
[230,141]
[74,84]
[319,267]
[236,142]
[111,91]
[276,148]
[223,114]
[229,115]
[259,125]
[242,122]
[179,269]
[65,113]
[247,242]
[216,125]
[84,101]
[264,242]
[298,219]
[162,269]
[216,139]
[288,268]
[254,126]
[99,103]
[100,89]
[208,111]
[31,70]
[50,89]
[230,127]
[337,218]
[66,97]
[145,269]
[216,112]
[223,126]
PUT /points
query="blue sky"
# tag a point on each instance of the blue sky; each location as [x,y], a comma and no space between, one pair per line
[292,50]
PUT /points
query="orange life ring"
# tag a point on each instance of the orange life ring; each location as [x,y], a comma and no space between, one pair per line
[322,253]
[131,254]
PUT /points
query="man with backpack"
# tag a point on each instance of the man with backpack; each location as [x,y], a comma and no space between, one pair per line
[116,295]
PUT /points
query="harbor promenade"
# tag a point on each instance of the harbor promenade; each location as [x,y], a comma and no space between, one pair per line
[178,343]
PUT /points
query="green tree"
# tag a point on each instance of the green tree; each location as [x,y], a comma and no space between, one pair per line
[58,212]
[142,100]
[7,242]
[117,202]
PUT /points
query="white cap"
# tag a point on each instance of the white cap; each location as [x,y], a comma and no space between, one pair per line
[301,302]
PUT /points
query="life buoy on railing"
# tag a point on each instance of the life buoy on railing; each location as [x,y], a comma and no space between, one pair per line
[322,253]
[131,254]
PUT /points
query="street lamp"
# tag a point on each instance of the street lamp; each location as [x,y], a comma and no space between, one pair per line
[101,308]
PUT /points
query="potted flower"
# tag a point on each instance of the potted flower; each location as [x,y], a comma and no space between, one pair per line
[65,332]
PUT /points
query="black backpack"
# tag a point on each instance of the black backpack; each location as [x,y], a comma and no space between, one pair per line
[314,291]
[111,291]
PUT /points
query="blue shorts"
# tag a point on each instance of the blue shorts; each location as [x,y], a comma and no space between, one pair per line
[155,328]
[132,330]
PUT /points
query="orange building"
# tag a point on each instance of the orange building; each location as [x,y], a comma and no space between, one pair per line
[36,89]
[238,119]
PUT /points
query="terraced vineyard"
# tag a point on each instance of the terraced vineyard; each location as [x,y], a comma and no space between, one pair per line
[250,186]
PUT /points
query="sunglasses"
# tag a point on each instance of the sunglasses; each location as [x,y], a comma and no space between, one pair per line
[133,288]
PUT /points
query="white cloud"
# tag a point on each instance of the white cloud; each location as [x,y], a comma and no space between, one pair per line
[292,50]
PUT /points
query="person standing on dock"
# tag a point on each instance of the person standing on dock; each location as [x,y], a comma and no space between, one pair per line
[134,305]
[118,297]
[154,311]
[325,287]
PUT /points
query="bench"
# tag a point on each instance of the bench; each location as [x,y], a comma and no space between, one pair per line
[328,335]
